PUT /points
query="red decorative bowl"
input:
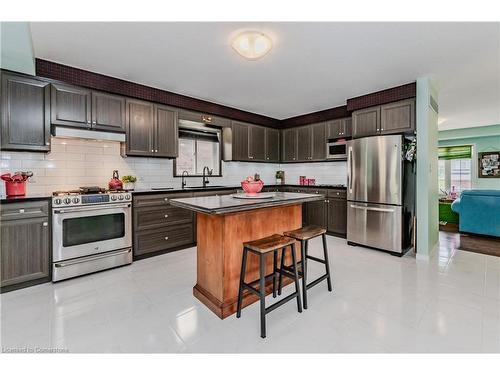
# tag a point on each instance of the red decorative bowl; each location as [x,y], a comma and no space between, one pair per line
[253,187]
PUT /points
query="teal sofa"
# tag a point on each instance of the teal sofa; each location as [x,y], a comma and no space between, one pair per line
[479,212]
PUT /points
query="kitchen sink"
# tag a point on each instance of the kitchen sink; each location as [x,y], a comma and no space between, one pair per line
[206,187]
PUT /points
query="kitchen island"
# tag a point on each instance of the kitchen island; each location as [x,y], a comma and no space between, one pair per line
[224,223]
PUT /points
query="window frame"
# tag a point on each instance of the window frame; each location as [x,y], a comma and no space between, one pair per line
[196,150]
[447,165]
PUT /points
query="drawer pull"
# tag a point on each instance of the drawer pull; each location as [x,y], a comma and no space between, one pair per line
[166,216]
[165,199]
[21,211]
[166,238]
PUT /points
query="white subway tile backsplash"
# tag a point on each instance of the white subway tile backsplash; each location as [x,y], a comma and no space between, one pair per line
[77,162]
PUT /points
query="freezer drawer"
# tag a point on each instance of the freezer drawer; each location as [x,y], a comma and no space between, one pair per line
[375,225]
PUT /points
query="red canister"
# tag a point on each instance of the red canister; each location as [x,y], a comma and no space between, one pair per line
[13,188]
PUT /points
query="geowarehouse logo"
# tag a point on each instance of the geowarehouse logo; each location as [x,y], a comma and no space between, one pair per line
[35,349]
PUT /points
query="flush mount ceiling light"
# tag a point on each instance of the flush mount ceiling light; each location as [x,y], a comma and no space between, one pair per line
[252,45]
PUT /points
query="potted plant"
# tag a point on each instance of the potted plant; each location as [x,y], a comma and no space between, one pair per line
[129,182]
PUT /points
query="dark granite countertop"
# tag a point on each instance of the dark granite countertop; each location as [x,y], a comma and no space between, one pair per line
[208,188]
[227,203]
[24,198]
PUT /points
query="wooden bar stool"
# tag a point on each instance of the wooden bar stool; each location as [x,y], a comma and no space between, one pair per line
[262,247]
[304,235]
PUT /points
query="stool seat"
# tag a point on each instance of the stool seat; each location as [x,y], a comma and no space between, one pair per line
[305,233]
[268,244]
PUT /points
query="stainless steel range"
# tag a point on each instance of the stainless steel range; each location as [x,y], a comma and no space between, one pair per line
[92,231]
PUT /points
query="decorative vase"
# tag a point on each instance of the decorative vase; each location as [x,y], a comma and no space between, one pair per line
[129,185]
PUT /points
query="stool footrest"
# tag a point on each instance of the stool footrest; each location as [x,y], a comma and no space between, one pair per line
[315,259]
[287,273]
[251,289]
[280,302]
[317,281]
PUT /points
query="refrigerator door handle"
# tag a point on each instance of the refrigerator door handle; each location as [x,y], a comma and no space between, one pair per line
[349,170]
[372,208]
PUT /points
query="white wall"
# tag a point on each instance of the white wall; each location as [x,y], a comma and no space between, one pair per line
[427,165]
[74,162]
[324,172]
[16,52]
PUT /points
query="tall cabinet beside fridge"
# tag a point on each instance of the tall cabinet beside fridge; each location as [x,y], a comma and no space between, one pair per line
[380,194]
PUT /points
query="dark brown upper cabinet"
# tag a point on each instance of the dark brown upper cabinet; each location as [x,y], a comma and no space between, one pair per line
[152,130]
[78,107]
[71,106]
[366,122]
[25,118]
[397,117]
[318,141]
[304,134]
[254,143]
[272,145]
[257,143]
[240,141]
[140,128]
[166,131]
[339,128]
[108,112]
[289,145]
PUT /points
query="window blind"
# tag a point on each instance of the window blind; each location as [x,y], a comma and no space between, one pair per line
[455,152]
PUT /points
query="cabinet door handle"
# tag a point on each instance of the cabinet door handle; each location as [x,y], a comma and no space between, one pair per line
[88,121]
[250,157]
[381,129]
[166,216]
[93,122]
[165,199]
[45,224]
[166,238]
[47,143]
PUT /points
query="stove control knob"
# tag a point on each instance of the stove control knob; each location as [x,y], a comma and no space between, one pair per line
[120,197]
[127,196]
[113,197]
[76,200]
[67,200]
[57,201]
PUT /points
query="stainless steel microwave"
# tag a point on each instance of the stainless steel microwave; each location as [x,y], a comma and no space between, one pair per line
[336,149]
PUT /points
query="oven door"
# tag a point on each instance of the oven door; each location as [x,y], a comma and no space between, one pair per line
[87,230]
[336,150]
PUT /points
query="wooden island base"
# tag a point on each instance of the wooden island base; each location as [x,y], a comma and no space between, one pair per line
[220,241]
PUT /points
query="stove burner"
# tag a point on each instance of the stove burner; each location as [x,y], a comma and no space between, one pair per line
[84,190]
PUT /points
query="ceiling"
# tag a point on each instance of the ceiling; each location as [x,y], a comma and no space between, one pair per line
[312,66]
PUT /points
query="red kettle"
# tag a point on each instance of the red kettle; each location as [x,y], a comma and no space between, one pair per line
[115,183]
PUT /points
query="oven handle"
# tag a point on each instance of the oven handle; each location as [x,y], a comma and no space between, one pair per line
[92,208]
[90,258]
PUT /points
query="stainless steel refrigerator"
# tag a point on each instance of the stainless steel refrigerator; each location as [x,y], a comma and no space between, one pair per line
[380,194]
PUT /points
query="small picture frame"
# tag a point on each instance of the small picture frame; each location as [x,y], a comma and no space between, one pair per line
[489,164]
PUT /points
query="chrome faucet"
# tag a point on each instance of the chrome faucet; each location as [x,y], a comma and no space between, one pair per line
[205,178]
[183,178]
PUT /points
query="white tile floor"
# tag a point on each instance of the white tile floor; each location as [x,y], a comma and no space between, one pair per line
[380,303]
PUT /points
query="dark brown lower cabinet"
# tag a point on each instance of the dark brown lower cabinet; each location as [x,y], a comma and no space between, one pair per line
[158,226]
[337,216]
[25,245]
[315,213]
[168,237]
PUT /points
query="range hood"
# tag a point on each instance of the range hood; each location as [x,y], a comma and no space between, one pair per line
[64,132]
